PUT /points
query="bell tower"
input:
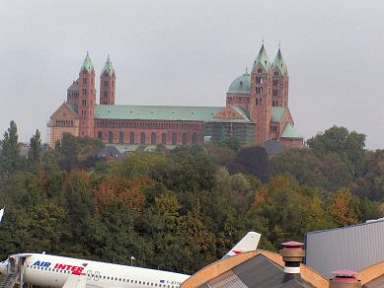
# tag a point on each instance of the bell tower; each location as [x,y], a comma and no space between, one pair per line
[107,84]
[87,98]
[261,96]
[279,81]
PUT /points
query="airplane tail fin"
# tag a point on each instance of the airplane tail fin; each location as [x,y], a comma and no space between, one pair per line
[248,243]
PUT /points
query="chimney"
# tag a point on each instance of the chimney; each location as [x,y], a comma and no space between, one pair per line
[345,279]
[293,255]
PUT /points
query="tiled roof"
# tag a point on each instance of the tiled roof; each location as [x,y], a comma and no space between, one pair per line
[278,113]
[290,132]
[181,113]
[253,269]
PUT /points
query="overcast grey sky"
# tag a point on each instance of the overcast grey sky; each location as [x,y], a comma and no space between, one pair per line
[176,52]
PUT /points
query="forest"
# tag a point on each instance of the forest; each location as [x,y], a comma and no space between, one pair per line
[179,210]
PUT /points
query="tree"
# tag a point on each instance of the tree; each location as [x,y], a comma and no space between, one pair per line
[34,153]
[283,210]
[78,152]
[371,183]
[350,146]
[344,208]
[303,165]
[9,157]
[251,160]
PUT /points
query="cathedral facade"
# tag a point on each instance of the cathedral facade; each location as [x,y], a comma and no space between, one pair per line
[256,112]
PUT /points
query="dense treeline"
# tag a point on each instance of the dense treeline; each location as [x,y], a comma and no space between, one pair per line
[181,209]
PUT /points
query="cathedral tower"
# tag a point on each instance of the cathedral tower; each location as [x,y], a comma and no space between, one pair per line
[260,102]
[107,84]
[87,98]
[279,81]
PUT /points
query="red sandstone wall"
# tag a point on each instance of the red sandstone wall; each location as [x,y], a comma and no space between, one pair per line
[191,133]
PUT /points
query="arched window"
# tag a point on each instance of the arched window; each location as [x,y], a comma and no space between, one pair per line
[142,138]
[174,138]
[100,135]
[132,138]
[110,137]
[121,137]
[153,138]
[194,138]
[164,138]
[184,139]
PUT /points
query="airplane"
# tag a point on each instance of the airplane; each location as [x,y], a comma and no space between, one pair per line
[63,272]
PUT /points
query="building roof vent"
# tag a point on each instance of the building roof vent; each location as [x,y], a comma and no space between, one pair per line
[293,255]
[345,279]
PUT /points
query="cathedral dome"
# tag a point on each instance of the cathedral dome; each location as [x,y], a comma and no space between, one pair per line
[241,84]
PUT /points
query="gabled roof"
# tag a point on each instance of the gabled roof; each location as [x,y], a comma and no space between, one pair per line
[64,108]
[182,113]
[259,269]
[290,132]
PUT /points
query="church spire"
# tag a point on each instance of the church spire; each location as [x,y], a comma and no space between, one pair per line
[107,84]
[262,59]
[108,67]
[87,64]
[279,63]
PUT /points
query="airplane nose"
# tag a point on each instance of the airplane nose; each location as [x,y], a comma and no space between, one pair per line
[4,267]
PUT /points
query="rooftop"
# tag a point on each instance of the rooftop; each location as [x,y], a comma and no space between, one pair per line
[149,112]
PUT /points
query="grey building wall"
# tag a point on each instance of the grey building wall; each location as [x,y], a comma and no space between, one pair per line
[354,247]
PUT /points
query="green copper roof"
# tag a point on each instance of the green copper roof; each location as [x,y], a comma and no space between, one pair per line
[279,64]
[138,112]
[87,65]
[290,132]
[241,84]
[108,68]
[262,59]
[278,113]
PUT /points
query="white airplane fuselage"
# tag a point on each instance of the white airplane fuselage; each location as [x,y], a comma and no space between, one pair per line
[53,271]
[56,271]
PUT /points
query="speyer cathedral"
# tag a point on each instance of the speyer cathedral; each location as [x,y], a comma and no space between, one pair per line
[256,111]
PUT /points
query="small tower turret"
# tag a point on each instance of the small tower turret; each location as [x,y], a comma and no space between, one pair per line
[107,84]
[260,105]
[87,98]
[279,81]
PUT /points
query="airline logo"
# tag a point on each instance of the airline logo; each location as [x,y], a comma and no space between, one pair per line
[75,270]
[234,252]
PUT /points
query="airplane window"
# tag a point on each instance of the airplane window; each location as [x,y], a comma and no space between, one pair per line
[103,277]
